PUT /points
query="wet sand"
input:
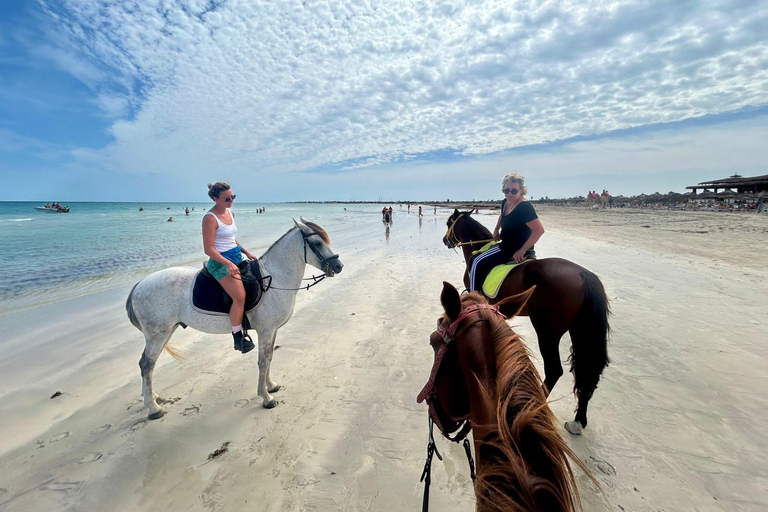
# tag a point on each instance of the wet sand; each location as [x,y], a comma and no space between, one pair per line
[676,423]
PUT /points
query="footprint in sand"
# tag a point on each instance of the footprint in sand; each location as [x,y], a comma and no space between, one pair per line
[138,425]
[58,485]
[59,437]
[223,392]
[604,467]
[242,402]
[398,375]
[101,429]
[90,457]
[189,411]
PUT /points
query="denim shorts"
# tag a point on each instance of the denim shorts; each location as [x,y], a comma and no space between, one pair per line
[220,271]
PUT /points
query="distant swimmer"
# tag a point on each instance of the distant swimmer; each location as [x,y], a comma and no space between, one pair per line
[141,208]
[186,210]
[170,219]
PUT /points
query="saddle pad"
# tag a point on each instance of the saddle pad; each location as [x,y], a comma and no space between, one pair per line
[209,297]
[485,248]
[497,276]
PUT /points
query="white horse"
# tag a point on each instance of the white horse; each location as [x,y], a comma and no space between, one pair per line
[162,301]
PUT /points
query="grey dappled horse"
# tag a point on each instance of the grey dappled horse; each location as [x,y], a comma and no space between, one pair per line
[162,301]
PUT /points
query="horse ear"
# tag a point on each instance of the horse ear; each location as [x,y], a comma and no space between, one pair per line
[511,306]
[451,300]
[301,225]
[455,211]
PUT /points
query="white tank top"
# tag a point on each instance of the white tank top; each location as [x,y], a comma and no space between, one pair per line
[225,234]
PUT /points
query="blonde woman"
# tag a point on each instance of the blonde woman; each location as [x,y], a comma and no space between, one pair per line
[518,228]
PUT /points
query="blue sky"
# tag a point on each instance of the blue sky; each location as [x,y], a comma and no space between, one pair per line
[292,100]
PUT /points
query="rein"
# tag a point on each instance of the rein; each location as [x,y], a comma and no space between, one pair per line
[429,393]
[449,235]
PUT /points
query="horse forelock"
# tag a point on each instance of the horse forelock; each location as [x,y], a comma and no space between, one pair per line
[320,231]
[532,470]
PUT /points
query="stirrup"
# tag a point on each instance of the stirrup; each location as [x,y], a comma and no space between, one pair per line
[243,342]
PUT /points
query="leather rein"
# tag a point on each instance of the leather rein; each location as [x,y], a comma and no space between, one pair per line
[429,393]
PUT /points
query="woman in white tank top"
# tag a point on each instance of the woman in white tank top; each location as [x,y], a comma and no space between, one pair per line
[225,253]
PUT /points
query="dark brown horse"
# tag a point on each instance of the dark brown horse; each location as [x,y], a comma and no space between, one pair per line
[483,375]
[568,298]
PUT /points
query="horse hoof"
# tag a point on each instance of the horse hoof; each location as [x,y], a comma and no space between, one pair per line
[573,427]
[274,389]
[271,404]
[156,415]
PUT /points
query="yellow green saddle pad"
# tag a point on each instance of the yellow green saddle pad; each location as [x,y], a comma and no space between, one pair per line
[495,278]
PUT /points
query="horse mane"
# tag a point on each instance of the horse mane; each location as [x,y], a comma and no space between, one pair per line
[530,468]
[479,232]
[317,229]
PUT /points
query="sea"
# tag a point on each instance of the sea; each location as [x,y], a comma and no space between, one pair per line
[49,257]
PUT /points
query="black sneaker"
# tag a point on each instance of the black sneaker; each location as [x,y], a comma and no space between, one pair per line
[243,342]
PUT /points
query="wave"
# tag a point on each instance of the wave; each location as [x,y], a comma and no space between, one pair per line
[16,220]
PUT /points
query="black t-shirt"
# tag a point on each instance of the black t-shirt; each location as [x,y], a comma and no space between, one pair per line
[514,231]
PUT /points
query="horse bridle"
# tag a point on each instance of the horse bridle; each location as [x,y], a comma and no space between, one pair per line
[451,237]
[429,393]
[325,263]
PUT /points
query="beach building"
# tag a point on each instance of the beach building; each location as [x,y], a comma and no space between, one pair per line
[734,190]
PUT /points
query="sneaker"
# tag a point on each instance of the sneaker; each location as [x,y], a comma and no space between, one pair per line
[243,342]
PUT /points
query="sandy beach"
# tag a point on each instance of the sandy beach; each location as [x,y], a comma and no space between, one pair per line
[676,424]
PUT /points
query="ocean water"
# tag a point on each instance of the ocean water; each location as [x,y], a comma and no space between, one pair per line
[48,257]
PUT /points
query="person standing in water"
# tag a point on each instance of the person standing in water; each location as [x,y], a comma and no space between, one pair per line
[225,253]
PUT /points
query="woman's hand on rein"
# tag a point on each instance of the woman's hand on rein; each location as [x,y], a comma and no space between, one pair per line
[233,270]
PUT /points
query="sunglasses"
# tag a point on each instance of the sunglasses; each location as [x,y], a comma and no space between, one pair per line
[230,198]
[512,191]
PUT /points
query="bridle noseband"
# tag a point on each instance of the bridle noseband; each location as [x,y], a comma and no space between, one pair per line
[429,393]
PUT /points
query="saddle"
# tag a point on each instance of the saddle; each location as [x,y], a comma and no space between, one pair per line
[209,297]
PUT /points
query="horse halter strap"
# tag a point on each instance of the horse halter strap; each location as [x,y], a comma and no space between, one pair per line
[429,393]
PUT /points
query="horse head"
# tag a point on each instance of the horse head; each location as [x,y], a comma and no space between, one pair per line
[320,254]
[463,230]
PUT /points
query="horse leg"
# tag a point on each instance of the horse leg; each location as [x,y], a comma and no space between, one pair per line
[272,386]
[154,345]
[266,347]
[549,343]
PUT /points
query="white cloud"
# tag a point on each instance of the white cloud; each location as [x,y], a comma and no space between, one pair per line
[268,87]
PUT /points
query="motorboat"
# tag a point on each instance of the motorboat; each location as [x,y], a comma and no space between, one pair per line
[52,209]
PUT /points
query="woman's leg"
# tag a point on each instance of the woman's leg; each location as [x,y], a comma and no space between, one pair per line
[234,288]
[483,264]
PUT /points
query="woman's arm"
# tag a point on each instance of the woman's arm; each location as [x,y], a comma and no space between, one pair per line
[537,229]
[498,225]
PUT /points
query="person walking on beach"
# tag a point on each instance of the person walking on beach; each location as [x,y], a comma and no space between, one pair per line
[518,228]
[225,253]
[420,214]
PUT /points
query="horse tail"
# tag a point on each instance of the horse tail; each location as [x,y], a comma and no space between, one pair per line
[129,309]
[176,354]
[589,337]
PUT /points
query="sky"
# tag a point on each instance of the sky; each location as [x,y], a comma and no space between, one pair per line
[118,100]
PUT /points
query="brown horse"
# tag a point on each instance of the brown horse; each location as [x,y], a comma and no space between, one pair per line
[568,298]
[483,378]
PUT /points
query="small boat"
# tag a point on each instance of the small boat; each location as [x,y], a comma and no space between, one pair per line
[52,209]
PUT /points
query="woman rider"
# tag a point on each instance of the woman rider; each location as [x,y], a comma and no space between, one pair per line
[520,230]
[225,253]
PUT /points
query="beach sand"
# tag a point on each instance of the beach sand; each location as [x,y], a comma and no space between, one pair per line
[676,424]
